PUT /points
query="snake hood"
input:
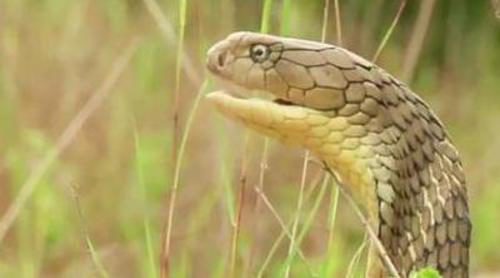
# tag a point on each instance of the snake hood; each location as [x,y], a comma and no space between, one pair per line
[384,143]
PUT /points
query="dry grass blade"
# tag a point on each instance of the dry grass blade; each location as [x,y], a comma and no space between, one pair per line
[264,28]
[297,214]
[279,239]
[284,227]
[163,23]
[419,31]
[355,258]
[177,173]
[389,31]
[333,215]
[325,20]
[66,138]
[371,233]
[83,227]
[240,202]
[256,209]
[338,23]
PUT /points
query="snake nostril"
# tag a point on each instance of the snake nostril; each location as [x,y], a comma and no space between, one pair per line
[221,59]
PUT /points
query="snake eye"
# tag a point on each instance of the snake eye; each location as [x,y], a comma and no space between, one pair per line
[259,53]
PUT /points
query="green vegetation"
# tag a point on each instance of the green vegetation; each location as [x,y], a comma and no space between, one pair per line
[427,273]
[101,206]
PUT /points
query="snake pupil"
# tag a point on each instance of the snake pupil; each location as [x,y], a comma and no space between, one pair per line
[259,53]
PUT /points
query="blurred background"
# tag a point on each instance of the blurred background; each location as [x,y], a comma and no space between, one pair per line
[101,192]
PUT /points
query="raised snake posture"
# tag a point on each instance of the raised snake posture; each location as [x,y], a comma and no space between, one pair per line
[382,141]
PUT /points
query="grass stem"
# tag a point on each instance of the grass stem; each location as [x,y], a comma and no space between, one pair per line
[175,185]
[240,203]
[101,271]
[297,215]
[371,233]
[389,31]
[165,253]
[264,28]
[338,23]
[355,258]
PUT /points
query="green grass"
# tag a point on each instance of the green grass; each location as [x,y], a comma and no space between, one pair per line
[55,53]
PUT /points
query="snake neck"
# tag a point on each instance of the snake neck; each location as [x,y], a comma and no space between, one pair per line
[411,182]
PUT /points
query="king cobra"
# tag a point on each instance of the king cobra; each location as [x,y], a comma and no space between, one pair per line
[385,145]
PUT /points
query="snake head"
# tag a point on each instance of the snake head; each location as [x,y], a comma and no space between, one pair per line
[294,71]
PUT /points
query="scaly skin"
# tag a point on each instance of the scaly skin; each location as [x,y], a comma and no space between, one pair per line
[387,147]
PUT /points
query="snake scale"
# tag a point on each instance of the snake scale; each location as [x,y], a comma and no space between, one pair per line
[383,142]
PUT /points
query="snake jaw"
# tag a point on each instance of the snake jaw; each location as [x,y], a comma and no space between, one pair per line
[275,118]
[325,136]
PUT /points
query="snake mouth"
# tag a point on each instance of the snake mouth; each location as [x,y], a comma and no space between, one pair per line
[253,95]
[285,102]
[239,92]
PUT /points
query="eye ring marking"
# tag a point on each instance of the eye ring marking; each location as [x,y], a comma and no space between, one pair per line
[259,52]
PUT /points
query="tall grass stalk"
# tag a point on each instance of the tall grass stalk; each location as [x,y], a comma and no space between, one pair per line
[285,17]
[371,233]
[388,34]
[284,231]
[334,200]
[297,215]
[240,202]
[171,39]
[177,173]
[338,23]
[66,138]
[312,214]
[307,224]
[200,219]
[256,209]
[264,28]
[284,227]
[165,254]
[101,271]
[373,236]
[266,16]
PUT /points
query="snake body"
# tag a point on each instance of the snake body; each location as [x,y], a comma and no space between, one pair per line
[384,143]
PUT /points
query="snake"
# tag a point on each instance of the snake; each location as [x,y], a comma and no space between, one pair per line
[383,142]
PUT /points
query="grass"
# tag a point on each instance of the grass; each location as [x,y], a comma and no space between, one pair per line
[100,269]
[176,157]
[55,53]
[152,269]
[389,31]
